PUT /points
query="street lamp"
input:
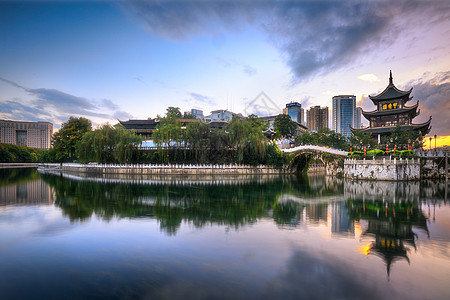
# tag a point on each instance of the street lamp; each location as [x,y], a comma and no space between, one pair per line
[430,142]
[435,136]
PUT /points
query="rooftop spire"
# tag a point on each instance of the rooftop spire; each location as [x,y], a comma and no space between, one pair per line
[390,78]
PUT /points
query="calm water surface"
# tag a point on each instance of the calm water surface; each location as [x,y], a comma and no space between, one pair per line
[221,238]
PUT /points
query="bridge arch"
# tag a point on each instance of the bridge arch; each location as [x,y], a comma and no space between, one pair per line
[301,157]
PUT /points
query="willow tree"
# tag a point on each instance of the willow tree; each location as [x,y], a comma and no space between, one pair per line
[197,137]
[168,132]
[108,144]
[246,136]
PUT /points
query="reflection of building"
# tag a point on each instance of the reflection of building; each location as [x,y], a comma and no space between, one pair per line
[35,192]
[391,225]
[391,110]
[317,118]
[317,213]
[341,222]
[28,134]
[344,114]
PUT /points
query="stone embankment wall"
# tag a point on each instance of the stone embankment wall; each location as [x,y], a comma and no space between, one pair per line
[175,169]
[385,169]
[17,165]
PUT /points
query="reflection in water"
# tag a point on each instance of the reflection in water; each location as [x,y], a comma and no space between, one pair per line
[365,219]
[23,187]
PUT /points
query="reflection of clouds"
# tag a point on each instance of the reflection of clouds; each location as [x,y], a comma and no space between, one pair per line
[309,276]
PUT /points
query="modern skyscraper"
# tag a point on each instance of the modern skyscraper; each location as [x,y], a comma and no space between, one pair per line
[296,112]
[358,113]
[317,118]
[344,114]
[28,134]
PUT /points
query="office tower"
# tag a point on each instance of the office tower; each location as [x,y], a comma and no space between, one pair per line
[295,111]
[358,113]
[344,114]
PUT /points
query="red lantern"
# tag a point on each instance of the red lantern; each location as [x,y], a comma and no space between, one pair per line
[387,149]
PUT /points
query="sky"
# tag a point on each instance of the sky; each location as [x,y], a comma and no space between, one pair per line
[131,59]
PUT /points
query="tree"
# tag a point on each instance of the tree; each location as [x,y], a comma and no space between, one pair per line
[64,141]
[285,126]
[197,138]
[362,139]
[168,132]
[187,115]
[246,137]
[108,144]
[173,112]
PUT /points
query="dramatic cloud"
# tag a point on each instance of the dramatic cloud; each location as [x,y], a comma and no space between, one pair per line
[434,100]
[314,37]
[56,106]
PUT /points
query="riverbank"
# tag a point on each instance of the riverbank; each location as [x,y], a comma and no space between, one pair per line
[157,169]
[18,165]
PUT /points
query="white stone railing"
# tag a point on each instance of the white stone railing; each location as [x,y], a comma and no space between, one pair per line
[316,148]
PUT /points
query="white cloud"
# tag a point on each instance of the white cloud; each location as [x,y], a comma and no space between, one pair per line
[369,77]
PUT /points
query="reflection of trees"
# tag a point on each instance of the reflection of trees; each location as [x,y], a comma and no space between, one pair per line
[233,205]
[391,224]
[14,176]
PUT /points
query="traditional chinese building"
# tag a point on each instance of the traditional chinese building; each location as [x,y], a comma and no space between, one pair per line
[391,110]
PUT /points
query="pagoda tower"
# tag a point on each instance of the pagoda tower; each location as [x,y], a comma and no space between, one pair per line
[391,110]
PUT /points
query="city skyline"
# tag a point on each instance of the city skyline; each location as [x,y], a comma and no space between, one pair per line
[117,60]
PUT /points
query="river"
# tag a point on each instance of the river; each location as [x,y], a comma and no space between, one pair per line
[247,237]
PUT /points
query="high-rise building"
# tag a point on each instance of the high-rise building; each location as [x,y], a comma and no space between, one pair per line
[358,112]
[344,114]
[296,112]
[28,134]
[317,118]
[197,113]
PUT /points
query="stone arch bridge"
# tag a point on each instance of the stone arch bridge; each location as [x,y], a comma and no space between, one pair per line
[332,159]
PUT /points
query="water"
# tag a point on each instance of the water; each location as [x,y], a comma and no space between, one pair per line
[221,238]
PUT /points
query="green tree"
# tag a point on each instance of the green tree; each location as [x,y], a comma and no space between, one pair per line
[284,126]
[64,141]
[246,137]
[109,144]
[168,132]
[198,137]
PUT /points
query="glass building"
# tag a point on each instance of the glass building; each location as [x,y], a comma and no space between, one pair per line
[344,107]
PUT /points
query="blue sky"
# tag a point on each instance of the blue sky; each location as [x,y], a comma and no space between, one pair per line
[110,60]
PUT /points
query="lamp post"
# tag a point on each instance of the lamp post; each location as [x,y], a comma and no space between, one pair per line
[430,142]
[435,136]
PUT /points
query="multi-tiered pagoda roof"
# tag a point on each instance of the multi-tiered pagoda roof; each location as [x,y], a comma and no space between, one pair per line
[391,110]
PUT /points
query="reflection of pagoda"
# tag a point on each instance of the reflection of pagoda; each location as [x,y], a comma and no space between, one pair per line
[391,224]
[391,110]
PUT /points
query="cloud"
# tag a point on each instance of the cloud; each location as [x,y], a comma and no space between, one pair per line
[434,100]
[314,37]
[247,69]
[369,77]
[317,276]
[202,99]
[55,106]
